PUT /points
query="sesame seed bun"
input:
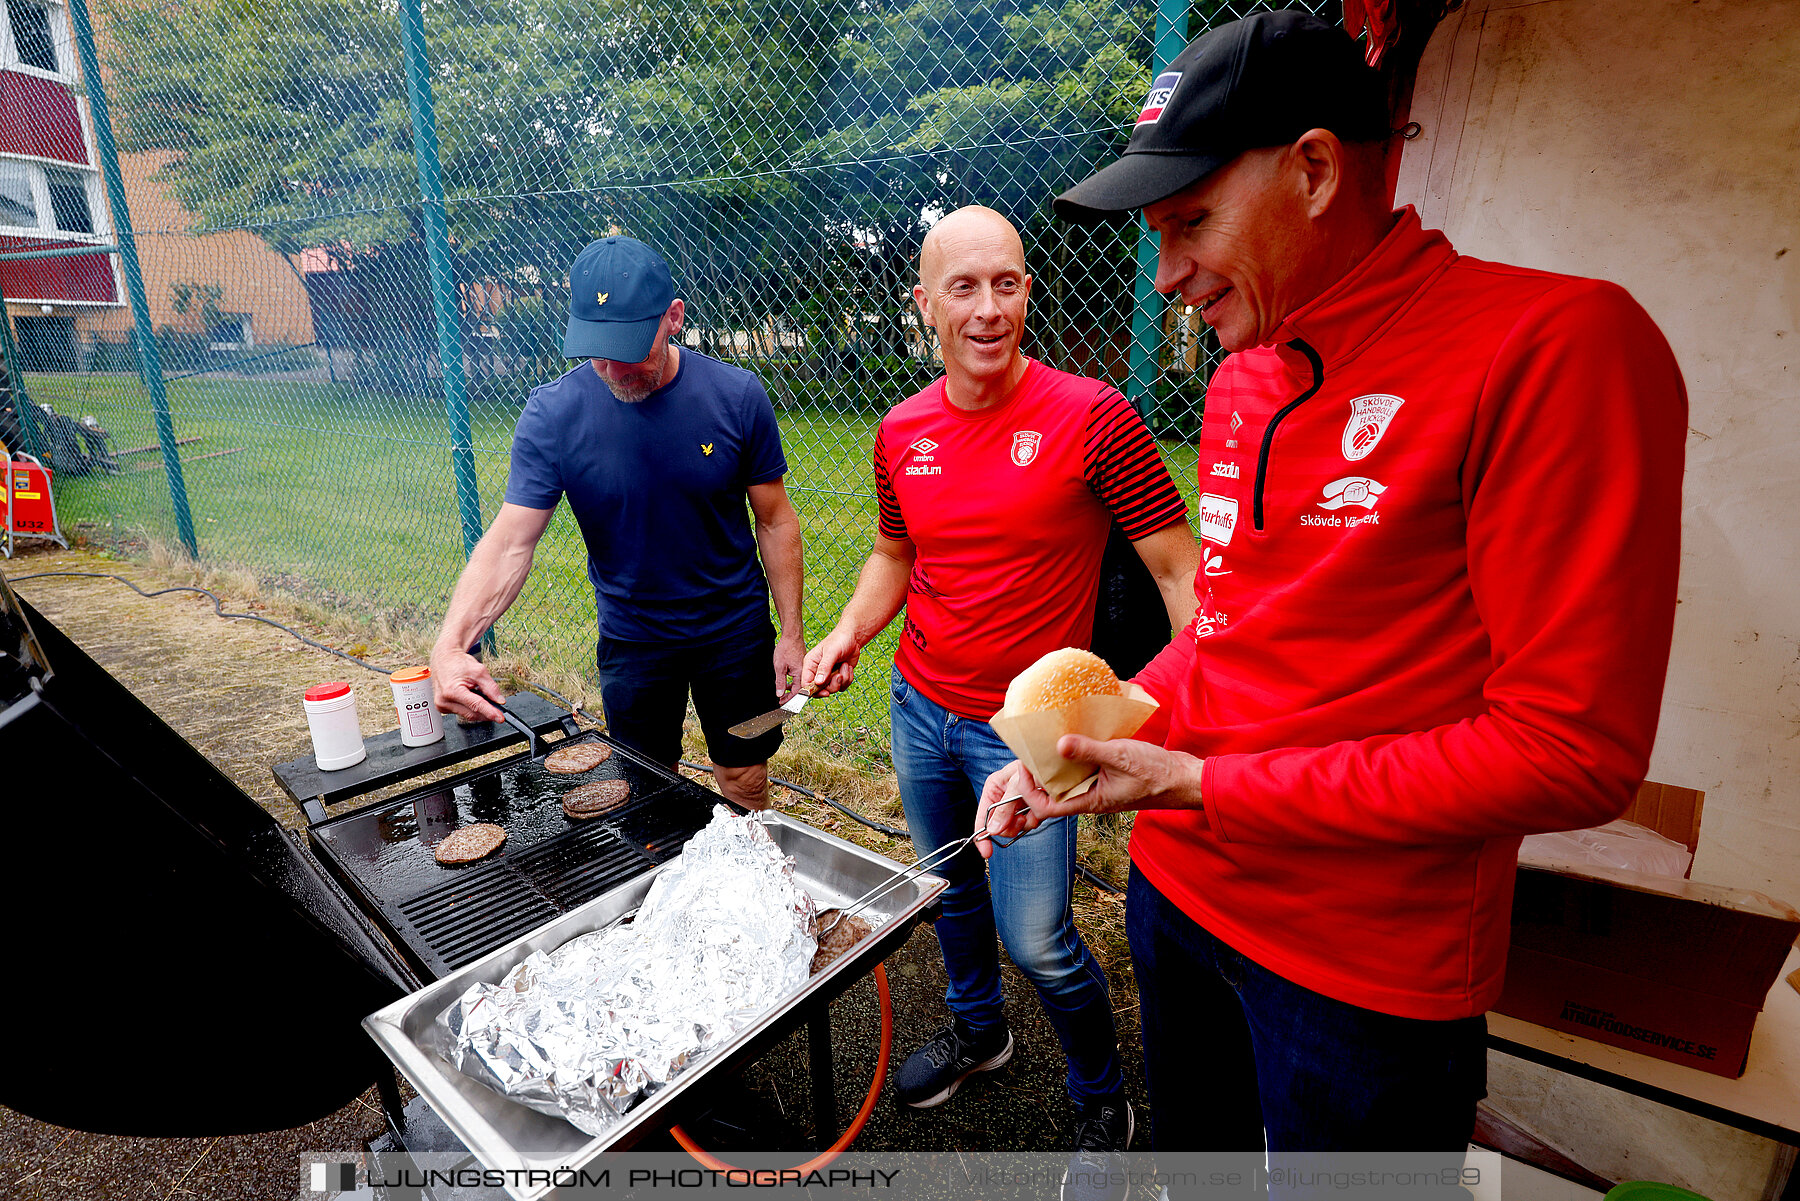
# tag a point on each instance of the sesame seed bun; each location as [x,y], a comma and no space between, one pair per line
[1061,678]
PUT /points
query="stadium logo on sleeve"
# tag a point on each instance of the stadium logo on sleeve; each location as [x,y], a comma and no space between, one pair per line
[1025,447]
[1158,99]
[1369,417]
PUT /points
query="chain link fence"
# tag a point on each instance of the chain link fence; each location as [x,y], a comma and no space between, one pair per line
[282,164]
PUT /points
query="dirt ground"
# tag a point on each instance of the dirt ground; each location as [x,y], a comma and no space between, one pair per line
[232,688]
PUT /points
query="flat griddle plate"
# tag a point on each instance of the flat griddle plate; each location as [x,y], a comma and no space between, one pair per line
[443,917]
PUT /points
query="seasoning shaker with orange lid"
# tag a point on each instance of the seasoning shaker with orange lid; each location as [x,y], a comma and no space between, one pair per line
[336,734]
[420,722]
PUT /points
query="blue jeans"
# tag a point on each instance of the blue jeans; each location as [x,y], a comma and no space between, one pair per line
[1233,1051]
[942,761]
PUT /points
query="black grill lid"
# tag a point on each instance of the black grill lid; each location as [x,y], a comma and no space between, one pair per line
[159,902]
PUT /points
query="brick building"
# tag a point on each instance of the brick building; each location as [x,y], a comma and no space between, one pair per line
[50,189]
[227,286]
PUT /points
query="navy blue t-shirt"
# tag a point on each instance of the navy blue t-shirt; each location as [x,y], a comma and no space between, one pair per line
[658,488]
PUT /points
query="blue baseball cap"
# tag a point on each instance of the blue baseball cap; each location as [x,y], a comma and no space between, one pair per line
[619,290]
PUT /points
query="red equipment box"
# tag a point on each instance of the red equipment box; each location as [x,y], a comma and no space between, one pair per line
[27,506]
[28,488]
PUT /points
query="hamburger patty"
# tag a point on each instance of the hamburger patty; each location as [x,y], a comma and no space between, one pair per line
[591,800]
[843,936]
[470,843]
[573,760]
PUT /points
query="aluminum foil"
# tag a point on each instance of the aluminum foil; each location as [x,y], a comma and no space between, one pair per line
[587,1030]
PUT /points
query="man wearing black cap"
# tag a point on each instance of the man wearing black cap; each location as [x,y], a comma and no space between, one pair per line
[657,448]
[1440,511]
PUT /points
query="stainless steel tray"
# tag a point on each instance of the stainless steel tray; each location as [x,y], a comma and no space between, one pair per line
[505,1135]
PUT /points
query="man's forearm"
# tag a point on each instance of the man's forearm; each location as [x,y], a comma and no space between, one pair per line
[1173,558]
[487,588]
[880,593]
[784,559]
[1178,598]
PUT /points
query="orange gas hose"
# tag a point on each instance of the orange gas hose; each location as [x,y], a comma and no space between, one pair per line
[708,1159]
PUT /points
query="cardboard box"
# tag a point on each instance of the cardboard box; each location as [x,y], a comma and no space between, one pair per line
[1665,967]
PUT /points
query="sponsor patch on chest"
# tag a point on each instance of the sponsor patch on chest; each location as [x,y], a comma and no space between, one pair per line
[923,461]
[1352,490]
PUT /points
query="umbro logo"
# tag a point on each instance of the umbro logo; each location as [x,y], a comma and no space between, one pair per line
[924,446]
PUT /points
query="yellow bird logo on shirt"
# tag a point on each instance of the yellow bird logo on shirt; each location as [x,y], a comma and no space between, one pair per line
[706,447]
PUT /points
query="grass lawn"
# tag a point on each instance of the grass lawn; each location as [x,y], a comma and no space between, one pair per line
[346,497]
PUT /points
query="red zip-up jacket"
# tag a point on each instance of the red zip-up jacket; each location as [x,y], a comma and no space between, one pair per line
[1441,525]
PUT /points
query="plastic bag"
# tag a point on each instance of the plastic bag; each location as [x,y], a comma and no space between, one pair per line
[1616,844]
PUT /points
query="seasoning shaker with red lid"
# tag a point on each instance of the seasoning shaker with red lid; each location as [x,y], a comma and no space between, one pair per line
[336,734]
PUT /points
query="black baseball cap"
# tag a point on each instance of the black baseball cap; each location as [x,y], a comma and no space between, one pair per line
[1261,81]
[619,290]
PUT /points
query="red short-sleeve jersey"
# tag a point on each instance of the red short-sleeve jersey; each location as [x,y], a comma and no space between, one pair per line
[1009,508]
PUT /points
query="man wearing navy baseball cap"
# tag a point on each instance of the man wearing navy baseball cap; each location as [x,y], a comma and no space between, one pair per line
[1441,522]
[657,447]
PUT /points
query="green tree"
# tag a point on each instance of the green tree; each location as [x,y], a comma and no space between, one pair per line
[786,154]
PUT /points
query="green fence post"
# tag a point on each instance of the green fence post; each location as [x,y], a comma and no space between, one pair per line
[443,283]
[149,357]
[1147,309]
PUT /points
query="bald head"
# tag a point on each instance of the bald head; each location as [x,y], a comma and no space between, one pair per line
[968,232]
[973,290]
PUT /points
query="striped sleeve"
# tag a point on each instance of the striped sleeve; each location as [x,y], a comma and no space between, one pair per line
[1124,469]
[893,525]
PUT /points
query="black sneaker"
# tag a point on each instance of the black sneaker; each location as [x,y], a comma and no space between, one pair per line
[932,1074]
[1096,1172]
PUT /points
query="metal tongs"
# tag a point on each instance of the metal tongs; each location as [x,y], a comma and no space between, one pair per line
[918,867]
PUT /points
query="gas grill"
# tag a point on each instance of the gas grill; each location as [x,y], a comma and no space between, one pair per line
[191,931]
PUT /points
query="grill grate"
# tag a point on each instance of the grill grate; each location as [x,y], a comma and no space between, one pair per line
[460,921]
[581,865]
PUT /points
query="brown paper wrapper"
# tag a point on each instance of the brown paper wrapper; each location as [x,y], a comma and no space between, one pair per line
[1032,736]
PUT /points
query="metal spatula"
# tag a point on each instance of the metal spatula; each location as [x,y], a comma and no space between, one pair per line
[762,723]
